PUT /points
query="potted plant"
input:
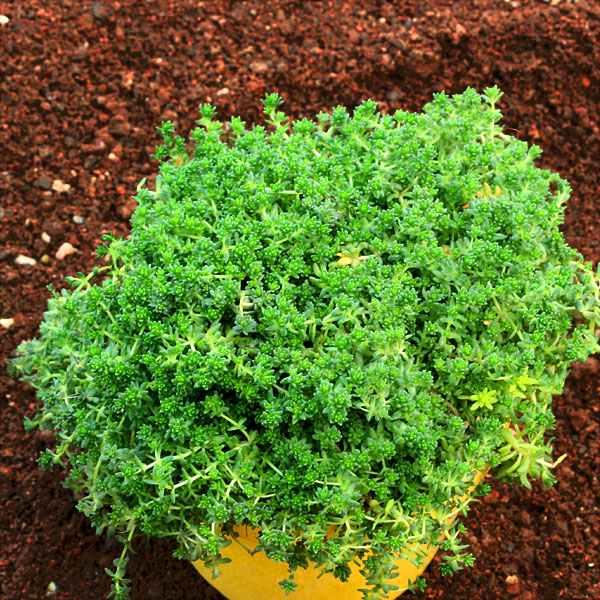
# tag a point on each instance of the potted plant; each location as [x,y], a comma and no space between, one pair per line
[320,331]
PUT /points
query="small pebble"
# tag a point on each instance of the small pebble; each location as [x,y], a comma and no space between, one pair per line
[43,182]
[6,323]
[259,66]
[81,52]
[127,209]
[45,259]
[4,19]
[223,92]
[46,435]
[64,250]
[59,186]
[78,219]
[98,10]
[25,261]
[45,237]
[51,589]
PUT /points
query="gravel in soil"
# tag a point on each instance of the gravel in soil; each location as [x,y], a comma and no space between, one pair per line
[84,85]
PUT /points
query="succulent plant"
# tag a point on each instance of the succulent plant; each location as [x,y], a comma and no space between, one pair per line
[320,328]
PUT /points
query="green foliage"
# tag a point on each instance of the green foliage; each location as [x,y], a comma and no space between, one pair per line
[318,328]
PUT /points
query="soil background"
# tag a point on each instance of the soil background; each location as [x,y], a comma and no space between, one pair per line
[83,86]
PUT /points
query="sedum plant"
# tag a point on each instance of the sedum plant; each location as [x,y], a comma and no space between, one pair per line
[320,328]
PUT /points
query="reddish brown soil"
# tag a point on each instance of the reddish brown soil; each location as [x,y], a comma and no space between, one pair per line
[83,86]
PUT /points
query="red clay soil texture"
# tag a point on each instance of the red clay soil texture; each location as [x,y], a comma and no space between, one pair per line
[83,86]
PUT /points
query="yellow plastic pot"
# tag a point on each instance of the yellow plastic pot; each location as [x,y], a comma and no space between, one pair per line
[256,577]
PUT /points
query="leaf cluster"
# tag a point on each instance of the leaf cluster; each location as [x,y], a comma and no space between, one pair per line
[322,329]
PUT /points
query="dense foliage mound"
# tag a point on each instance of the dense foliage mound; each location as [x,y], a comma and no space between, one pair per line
[315,324]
